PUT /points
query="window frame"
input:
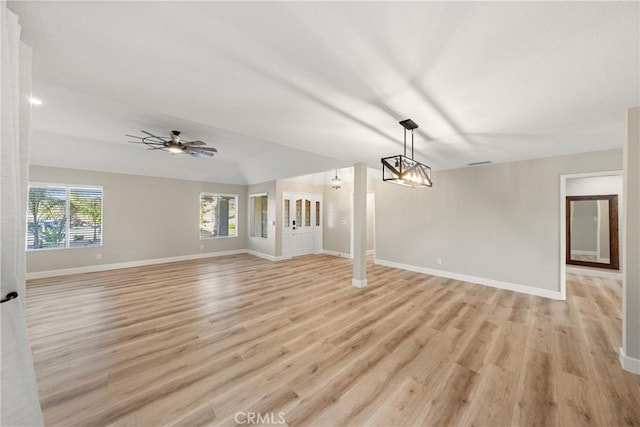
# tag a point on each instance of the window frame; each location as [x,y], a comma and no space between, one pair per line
[68,188]
[252,213]
[207,193]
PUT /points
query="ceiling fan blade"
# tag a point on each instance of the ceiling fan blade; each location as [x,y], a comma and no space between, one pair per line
[204,149]
[194,143]
[158,141]
[204,153]
[133,136]
[149,133]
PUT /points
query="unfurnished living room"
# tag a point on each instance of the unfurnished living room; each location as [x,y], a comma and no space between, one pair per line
[320,213]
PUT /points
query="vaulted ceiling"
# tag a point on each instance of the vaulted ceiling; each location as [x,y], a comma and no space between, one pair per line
[286,89]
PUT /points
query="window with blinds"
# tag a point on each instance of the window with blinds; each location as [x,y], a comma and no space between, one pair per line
[218,215]
[258,215]
[63,217]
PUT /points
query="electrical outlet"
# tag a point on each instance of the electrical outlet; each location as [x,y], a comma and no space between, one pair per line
[98,256]
[439,261]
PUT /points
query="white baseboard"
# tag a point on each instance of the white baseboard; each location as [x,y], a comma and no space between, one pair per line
[336,253]
[129,264]
[630,364]
[265,256]
[473,279]
[371,251]
[595,273]
[359,283]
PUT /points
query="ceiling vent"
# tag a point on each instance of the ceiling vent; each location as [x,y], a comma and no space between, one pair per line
[486,162]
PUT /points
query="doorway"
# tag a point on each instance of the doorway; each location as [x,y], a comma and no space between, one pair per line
[589,183]
[301,224]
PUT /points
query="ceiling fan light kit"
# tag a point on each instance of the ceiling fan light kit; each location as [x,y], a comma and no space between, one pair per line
[403,170]
[174,144]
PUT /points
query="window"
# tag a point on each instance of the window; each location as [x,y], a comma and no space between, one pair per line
[287,212]
[258,218]
[64,217]
[317,214]
[298,220]
[218,215]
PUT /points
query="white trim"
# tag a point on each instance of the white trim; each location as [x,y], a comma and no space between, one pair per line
[593,174]
[265,256]
[129,264]
[563,236]
[359,283]
[546,293]
[595,273]
[630,364]
[54,184]
[336,253]
[371,251]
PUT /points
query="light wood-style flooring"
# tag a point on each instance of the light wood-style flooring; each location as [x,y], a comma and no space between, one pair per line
[195,343]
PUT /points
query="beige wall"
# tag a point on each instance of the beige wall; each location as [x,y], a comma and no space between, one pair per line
[337,219]
[371,210]
[497,222]
[337,222]
[144,218]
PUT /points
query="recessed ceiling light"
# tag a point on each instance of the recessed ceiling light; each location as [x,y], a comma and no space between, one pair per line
[34,101]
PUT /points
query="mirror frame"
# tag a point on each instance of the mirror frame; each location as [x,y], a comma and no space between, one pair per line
[614,259]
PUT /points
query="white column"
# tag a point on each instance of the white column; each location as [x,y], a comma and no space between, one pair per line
[359,225]
[630,351]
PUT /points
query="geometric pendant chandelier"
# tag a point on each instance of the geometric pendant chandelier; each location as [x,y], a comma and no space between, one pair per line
[404,170]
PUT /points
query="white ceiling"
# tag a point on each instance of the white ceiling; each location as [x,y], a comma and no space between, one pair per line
[286,89]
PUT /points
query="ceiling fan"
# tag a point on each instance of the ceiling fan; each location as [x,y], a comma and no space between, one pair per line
[173,144]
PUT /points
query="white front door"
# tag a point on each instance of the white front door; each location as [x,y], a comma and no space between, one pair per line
[302,229]
[301,224]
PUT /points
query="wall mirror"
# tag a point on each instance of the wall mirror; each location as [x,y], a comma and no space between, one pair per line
[592,231]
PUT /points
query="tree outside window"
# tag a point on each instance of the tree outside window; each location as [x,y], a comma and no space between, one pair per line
[63,217]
